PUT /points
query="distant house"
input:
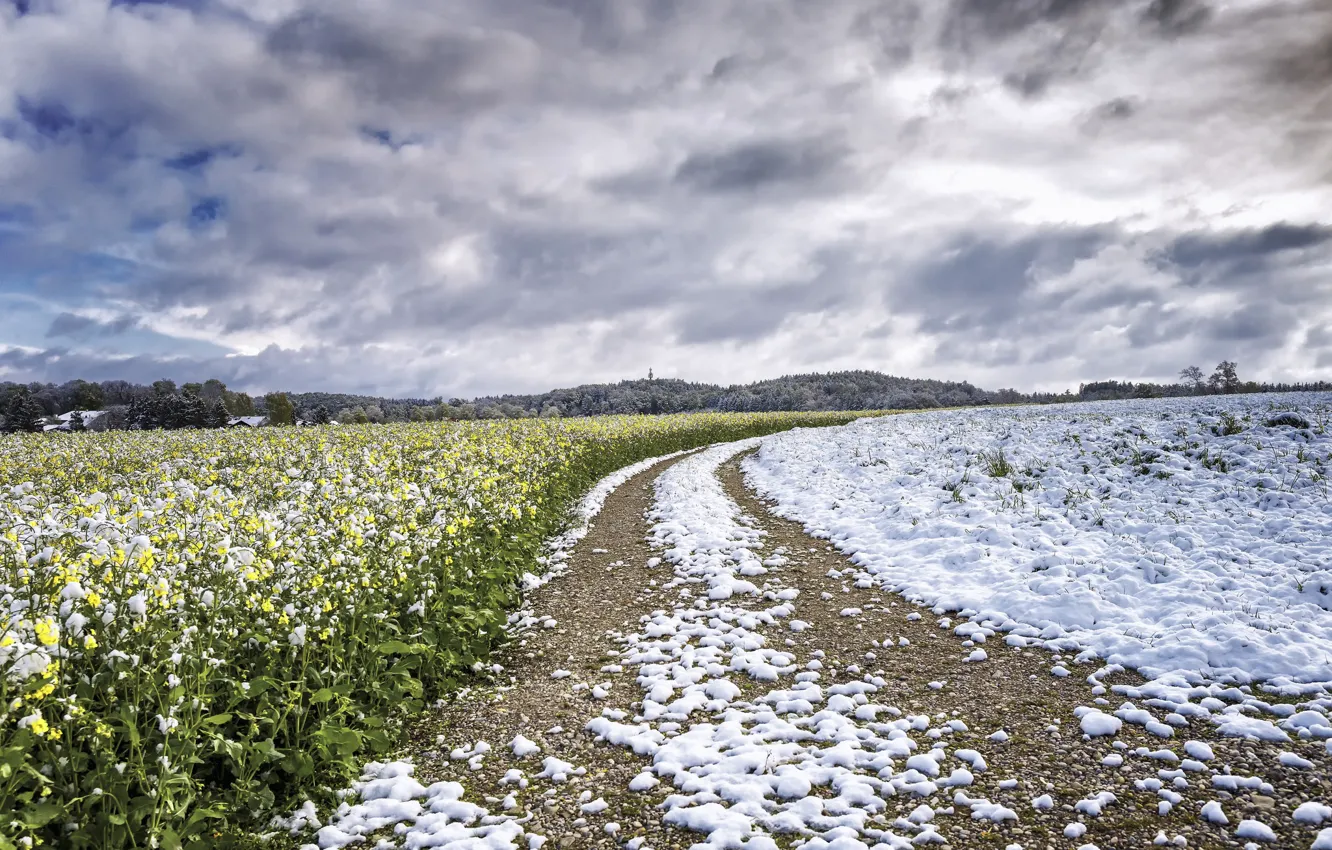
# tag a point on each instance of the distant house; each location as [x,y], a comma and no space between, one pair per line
[65,421]
[247,421]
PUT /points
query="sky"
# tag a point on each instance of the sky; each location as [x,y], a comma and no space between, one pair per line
[479,196]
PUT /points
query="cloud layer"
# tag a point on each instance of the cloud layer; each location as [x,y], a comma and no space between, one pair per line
[528,193]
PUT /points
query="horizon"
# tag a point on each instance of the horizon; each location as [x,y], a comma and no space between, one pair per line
[378,199]
[1073,390]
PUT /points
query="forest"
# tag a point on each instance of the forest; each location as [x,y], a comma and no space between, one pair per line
[209,404]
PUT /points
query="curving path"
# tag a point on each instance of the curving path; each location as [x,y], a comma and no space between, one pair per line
[755,690]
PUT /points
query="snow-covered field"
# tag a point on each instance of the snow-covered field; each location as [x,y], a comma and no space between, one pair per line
[1182,537]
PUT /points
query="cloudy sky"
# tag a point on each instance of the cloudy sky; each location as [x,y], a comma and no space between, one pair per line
[473,196]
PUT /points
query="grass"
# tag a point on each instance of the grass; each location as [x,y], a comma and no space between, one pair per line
[996,464]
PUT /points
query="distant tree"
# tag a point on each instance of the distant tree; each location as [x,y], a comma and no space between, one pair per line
[551,411]
[213,390]
[1225,379]
[193,411]
[320,415]
[417,414]
[164,387]
[114,418]
[649,373]
[142,414]
[1193,378]
[280,410]
[374,413]
[76,421]
[215,413]
[87,396]
[238,404]
[194,389]
[22,411]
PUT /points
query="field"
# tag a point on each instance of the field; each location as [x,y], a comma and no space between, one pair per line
[1188,539]
[200,627]
[1012,627]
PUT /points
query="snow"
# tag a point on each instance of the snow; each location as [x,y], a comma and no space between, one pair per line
[1289,759]
[805,753]
[1256,830]
[1312,813]
[1211,812]
[1123,531]
[523,747]
[1198,750]
[1098,724]
[387,796]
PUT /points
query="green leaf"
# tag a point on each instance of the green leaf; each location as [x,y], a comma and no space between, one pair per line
[395,647]
[218,719]
[40,814]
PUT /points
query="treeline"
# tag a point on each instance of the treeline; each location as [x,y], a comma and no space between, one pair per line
[858,390]
[163,404]
[1224,380]
[120,405]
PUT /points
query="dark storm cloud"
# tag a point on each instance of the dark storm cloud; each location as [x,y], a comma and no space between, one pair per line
[1247,248]
[893,29]
[256,373]
[74,325]
[1042,43]
[606,24]
[1116,109]
[1042,296]
[969,20]
[1176,17]
[1256,321]
[976,280]
[757,165]
[465,68]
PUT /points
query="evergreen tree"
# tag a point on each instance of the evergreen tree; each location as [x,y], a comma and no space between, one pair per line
[186,411]
[215,414]
[23,412]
